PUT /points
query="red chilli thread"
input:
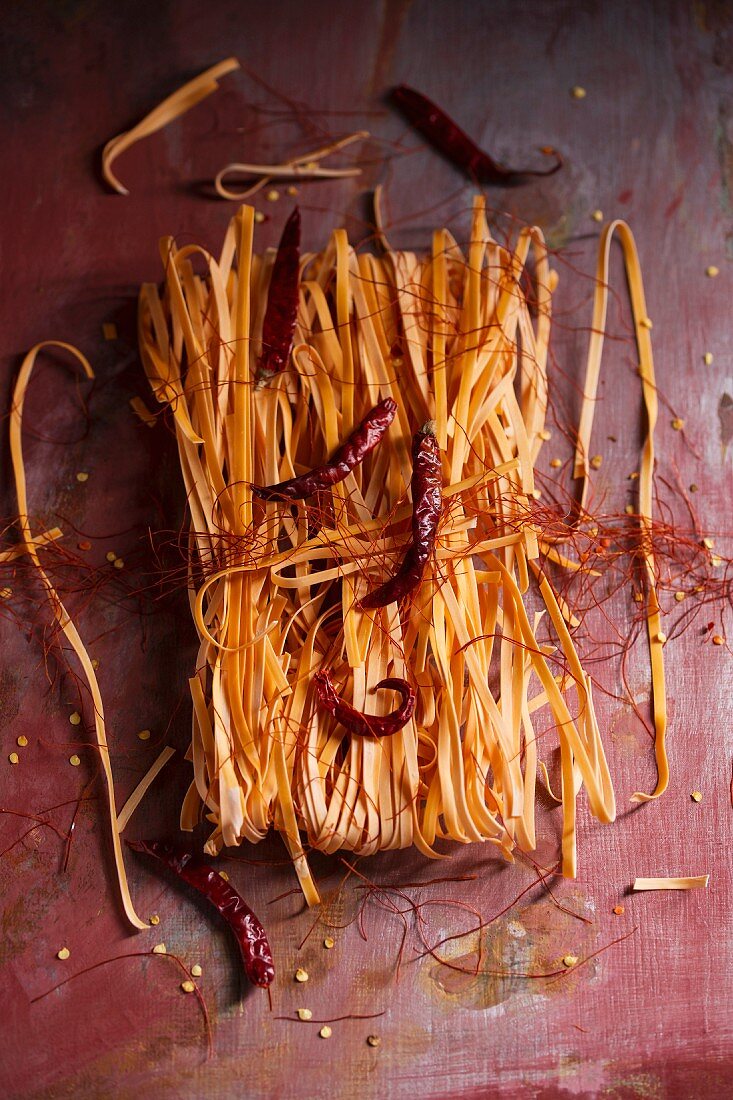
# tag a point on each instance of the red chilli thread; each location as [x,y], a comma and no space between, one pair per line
[334,1019]
[143,955]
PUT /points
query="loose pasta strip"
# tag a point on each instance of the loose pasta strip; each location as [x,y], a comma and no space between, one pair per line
[694,882]
[642,329]
[171,108]
[305,166]
[37,540]
[141,789]
[60,613]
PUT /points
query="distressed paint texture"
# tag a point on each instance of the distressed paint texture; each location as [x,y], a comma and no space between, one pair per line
[650,142]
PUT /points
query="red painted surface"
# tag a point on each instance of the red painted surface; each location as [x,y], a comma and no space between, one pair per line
[654,132]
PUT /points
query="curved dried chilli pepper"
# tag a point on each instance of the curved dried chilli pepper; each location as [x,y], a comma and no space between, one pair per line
[281,313]
[427,499]
[455,144]
[366,725]
[203,877]
[361,441]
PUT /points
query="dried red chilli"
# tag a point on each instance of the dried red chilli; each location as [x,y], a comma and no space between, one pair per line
[455,144]
[204,878]
[361,441]
[278,326]
[427,499]
[366,725]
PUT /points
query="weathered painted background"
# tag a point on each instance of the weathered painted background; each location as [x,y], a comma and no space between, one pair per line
[653,142]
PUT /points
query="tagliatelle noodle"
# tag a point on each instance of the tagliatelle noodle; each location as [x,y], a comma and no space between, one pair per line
[694,882]
[141,789]
[37,540]
[275,600]
[305,167]
[172,107]
[60,613]
[646,472]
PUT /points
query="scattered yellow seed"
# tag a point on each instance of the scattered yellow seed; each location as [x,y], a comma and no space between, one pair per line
[661,637]
[618,910]
[119,563]
[597,215]
[629,509]
[63,953]
[196,970]
[273,195]
[373,1040]
[5,593]
[75,718]
[596,462]
[545,434]
[74,761]
[329,942]
[13,758]
[678,424]
[304,1014]
[325,1032]
[82,476]
[707,358]
[155,919]
[638,597]
[712,271]
[577,92]
[22,741]
[109,331]
[259,217]
[715,560]
[634,475]
[708,543]
[224,875]
[718,639]
[292,190]
[696,796]
[570,960]
[188,987]
[645,322]
[679,596]
[144,735]
[555,463]
[111,556]
[301,975]
[160,949]
[699,588]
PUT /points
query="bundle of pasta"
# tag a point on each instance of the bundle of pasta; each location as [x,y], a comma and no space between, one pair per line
[279,586]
